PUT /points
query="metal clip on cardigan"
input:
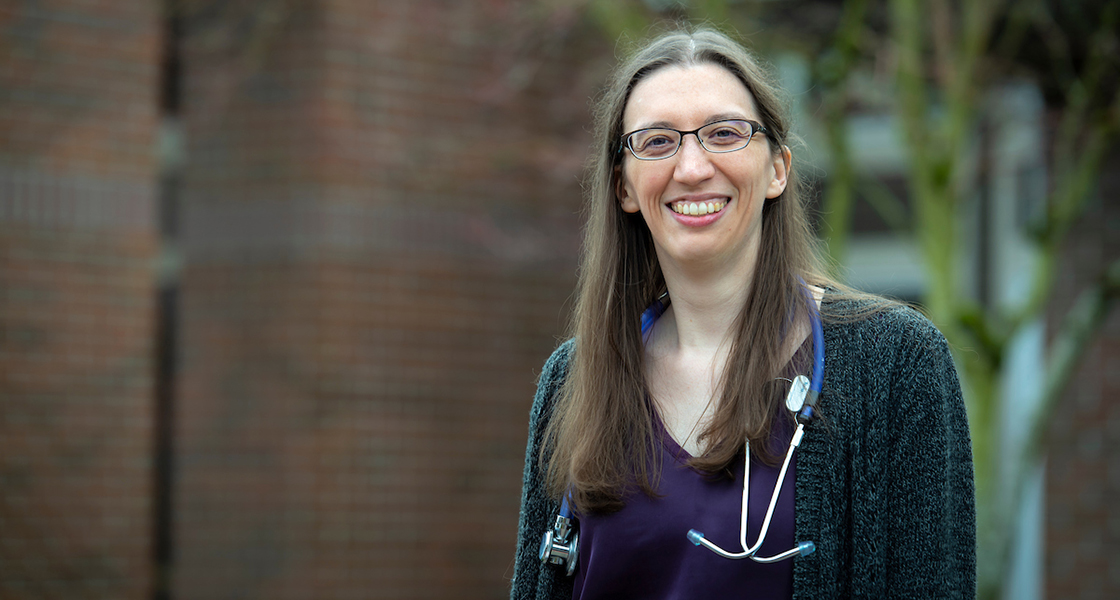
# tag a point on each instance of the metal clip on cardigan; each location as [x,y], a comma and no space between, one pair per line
[560,545]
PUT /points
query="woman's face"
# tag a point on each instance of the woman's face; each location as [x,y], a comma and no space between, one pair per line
[730,187]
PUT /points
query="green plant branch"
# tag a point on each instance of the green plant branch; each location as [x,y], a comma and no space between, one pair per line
[833,70]
[927,163]
[977,23]
[1072,190]
[1018,23]
[1056,42]
[988,333]
[1081,91]
[617,19]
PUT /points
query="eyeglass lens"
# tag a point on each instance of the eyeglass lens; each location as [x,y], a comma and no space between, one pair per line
[721,136]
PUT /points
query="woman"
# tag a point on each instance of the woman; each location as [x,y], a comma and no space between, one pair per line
[698,296]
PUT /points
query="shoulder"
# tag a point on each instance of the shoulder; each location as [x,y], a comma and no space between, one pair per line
[552,377]
[555,369]
[883,358]
[869,328]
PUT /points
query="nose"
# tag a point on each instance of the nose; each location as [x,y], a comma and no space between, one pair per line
[694,163]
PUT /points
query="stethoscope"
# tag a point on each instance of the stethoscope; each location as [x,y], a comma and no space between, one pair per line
[560,545]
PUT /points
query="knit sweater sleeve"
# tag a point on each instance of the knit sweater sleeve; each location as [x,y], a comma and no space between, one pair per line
[531,579]
[885,484]
[928,480]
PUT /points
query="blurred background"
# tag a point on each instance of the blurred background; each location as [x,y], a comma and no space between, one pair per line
[277,276]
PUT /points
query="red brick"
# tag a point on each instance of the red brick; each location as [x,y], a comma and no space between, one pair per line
[359,350]
[76,302]
[1082,536]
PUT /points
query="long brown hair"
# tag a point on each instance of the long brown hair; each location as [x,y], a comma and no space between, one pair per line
[601,438]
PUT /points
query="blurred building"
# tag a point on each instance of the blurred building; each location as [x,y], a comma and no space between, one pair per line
[79,88]
[351,227]
[276,279]
[376,232]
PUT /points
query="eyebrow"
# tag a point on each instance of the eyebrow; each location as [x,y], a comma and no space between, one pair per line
[710,119]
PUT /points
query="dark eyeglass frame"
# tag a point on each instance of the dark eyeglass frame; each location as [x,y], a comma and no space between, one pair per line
[756,127]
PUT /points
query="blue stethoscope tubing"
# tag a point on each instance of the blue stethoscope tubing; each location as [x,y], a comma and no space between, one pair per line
[560,544]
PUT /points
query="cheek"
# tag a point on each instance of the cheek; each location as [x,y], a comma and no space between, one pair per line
[646,183]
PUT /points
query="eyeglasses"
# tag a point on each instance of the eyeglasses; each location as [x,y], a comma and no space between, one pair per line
[662,142]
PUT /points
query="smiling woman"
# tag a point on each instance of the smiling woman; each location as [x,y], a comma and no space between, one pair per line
[677,184]
[696,394]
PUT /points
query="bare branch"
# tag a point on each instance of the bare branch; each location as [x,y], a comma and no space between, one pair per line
[886,204]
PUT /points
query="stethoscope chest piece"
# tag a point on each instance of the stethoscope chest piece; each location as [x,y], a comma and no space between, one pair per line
[560,545]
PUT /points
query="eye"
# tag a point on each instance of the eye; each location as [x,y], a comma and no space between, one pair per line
[653,142]
[727,134]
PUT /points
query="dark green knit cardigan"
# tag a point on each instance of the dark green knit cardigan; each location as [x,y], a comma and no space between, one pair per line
[884,484]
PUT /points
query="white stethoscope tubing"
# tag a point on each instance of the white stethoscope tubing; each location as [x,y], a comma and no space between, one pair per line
[805,412]
[698,538]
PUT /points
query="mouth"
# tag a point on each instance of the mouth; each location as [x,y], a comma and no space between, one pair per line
[684,207]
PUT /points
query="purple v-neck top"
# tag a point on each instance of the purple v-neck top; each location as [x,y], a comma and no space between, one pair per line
[642,550]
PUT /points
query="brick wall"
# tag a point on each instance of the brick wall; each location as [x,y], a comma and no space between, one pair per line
[77,242]
[1083,467]
[379,237]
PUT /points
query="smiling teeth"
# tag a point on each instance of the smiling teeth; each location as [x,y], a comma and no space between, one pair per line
[697,208]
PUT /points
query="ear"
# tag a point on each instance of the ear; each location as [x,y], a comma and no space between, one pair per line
[782,162]
[625,195]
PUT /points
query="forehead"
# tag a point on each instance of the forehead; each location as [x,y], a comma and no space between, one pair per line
[687,96]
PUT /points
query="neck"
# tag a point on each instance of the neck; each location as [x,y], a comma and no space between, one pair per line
[705,302]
